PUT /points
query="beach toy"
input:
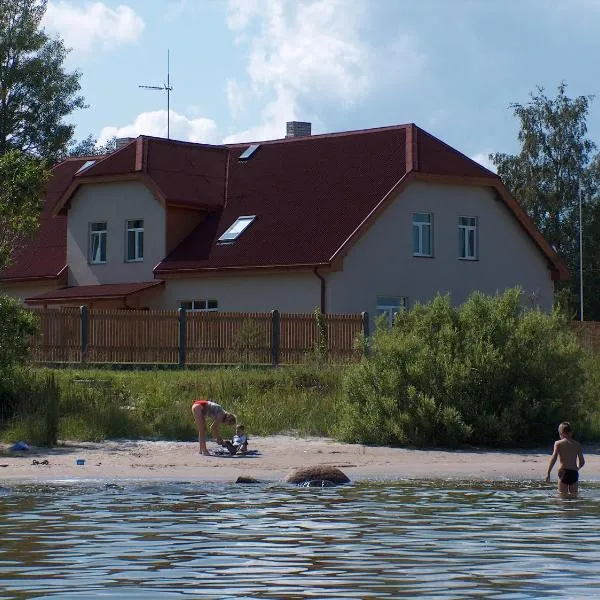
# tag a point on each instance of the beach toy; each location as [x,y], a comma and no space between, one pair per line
[80,461]
[19,446]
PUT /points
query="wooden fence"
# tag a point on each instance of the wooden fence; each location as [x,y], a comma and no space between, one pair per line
[588,333]
[179,337]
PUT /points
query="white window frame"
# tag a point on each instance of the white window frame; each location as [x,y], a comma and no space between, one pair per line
[390,306]
[102,236]
[467,232]
[236,229]
[424,228]
[138,240]
[200,305]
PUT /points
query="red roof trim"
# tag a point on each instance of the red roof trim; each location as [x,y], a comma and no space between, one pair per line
[93,292]
[369,219]
[262,268]
[556,265]
[336,134]
[139,177]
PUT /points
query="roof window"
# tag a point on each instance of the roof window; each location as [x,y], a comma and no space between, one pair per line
[239,226]
[249,151]
[85,166]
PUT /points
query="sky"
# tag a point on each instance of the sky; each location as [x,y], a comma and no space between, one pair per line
[240,69]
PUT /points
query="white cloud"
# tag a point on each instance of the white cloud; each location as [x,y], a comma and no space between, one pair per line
[306,49]
[85,28]
[155,123]
[483,158]
[236,97]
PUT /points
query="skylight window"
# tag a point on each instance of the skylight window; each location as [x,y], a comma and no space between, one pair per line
[85,166]
[249,151]
[239,226]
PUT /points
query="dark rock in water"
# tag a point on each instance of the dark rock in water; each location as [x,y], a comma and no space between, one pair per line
[316,476]
[318,483]
[242,479]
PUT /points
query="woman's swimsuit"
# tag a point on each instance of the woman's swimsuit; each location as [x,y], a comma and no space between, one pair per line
[568,476]
[211,409]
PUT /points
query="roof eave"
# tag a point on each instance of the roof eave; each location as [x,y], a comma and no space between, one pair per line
[182,272]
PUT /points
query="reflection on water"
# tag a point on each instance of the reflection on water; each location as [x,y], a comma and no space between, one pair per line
[367,540]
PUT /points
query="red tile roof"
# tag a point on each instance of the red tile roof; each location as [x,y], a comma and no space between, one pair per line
[113,291]
[181,173]
[46,255]
[312,196]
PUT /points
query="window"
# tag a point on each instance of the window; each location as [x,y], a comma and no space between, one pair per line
[422,238]
[390,305]
[86,165]
[135,240]
[200,305]
[238,227]
[97,252]
[248,152]
[467,238]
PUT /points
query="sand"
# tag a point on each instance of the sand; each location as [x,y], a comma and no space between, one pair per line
[148,460]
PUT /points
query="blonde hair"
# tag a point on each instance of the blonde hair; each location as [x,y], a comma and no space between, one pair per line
[565,427]
[229,418]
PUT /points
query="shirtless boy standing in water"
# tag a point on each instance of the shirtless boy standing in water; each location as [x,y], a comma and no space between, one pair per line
[570,457]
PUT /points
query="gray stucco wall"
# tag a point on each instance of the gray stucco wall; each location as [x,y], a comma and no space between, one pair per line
[27,290]
[381,263]
[114,203]
[260,293]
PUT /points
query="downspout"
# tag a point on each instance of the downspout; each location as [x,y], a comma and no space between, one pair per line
[323,290]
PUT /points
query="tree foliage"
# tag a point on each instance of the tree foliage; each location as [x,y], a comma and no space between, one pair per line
[16,325]
[555,165]
[90,147]
[36,93]
[490,371]
[21,185]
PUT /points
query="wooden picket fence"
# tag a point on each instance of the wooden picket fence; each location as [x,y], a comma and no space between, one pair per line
[588,333]
[177,337]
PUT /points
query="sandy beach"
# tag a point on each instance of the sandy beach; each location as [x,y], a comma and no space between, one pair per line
[277,455]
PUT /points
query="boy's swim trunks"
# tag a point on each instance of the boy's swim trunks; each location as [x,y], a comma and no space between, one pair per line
[568,476]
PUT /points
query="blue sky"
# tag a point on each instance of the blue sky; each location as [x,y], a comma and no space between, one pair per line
[241,68]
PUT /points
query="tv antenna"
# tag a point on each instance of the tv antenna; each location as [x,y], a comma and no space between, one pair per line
[164,88]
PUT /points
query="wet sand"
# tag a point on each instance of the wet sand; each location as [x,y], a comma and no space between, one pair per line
[277,455]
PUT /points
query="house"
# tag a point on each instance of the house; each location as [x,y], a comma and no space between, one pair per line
[372,220]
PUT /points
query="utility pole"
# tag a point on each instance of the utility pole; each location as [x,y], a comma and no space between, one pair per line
[164,88]
[580,256]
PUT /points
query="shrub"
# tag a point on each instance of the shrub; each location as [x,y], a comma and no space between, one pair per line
[489,371]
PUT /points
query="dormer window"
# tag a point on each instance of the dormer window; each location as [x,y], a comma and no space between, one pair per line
[85,166]
[239,226]
[248,152]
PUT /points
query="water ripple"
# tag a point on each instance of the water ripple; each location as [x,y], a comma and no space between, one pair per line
[368,540]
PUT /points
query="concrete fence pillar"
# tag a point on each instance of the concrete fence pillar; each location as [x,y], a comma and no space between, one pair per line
[182,344]
[275,337]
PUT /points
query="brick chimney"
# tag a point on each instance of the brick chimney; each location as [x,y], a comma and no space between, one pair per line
[297,129]
[120,142]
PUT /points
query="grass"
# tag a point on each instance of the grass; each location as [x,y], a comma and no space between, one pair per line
[96,405]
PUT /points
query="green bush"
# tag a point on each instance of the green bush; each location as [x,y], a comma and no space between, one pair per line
[35,401]
[490,371]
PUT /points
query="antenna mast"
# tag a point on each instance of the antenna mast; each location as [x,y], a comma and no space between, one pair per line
[164,88]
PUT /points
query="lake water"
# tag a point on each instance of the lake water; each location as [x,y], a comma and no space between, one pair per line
[366,540]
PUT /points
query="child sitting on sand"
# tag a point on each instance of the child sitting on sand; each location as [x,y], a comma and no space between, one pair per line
[570,457]
[239,442]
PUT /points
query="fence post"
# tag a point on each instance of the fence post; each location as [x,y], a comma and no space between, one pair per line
[364,317]
[182,336]
[84,329]
[275,337]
